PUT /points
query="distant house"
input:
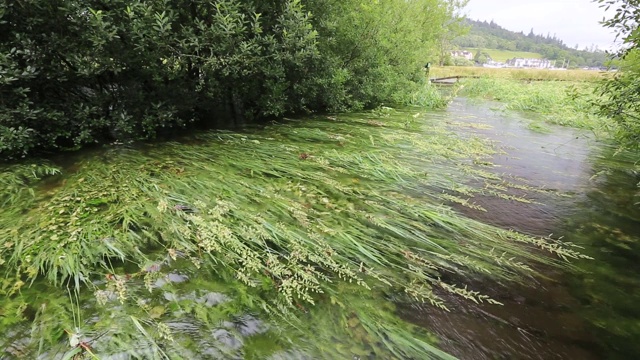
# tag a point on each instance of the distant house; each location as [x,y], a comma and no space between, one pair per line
[494,64]
[530,63]
[463,54]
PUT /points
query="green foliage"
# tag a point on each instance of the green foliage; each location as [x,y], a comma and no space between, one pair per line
[460,61]
[139,70]
[377,49]
[292,212]
[482,57]
[429,96]
[621,95]
[131,70]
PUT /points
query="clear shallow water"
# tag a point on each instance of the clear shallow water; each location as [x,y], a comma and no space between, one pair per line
[594,202]
[592,314]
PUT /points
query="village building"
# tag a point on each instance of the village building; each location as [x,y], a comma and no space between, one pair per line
[463,54]
[530,63]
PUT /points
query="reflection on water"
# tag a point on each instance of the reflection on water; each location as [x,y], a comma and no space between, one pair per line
[593,202]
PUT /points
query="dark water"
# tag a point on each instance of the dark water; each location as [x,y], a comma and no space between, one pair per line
[592,199]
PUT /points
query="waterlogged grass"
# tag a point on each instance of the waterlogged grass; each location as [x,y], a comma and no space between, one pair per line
[297,221]
[192,313]
[561,103]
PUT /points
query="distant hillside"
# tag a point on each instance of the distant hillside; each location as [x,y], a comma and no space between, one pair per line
[489,35]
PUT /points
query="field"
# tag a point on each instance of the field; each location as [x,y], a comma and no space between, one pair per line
[518,74]
[504,55]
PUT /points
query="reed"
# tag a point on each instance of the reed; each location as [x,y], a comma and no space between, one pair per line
[561,103]
[291,213]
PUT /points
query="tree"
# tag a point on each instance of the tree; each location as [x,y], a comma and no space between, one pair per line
[77,72]
[482,57]
[455,27]
[622,92]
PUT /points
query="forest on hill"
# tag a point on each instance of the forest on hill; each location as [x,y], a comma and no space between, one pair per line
[490,35]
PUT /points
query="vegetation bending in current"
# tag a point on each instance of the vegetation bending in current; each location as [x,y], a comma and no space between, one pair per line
[253,240]
[291,211]
[571,104]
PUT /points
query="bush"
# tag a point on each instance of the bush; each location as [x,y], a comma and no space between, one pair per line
[76,72]
[460,61]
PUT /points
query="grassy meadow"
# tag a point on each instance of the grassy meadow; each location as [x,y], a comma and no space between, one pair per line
[560,97]
[504,55]
[519,74]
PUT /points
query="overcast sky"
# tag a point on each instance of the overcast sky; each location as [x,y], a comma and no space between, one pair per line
[573,21]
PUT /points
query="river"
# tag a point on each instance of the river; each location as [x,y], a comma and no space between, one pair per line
[578,189]
[594,202]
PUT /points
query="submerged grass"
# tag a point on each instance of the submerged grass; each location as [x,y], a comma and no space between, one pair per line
[290,213]
[560,103]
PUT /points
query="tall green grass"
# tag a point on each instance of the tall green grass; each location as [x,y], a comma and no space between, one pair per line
[289,212]
[521,74]
[504,55]
[561,103]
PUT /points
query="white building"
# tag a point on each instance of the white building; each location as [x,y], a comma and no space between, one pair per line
[463,54]
[530,63]
[494,64]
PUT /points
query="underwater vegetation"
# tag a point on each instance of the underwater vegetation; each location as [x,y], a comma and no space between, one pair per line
[304,229]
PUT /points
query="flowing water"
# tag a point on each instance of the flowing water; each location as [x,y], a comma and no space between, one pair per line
[579,190]
[594,202]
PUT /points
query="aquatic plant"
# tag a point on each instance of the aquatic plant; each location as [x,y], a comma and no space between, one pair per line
[289,214]
[561,103]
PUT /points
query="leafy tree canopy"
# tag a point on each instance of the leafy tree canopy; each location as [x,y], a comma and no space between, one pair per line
[77,72]
[622,93]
